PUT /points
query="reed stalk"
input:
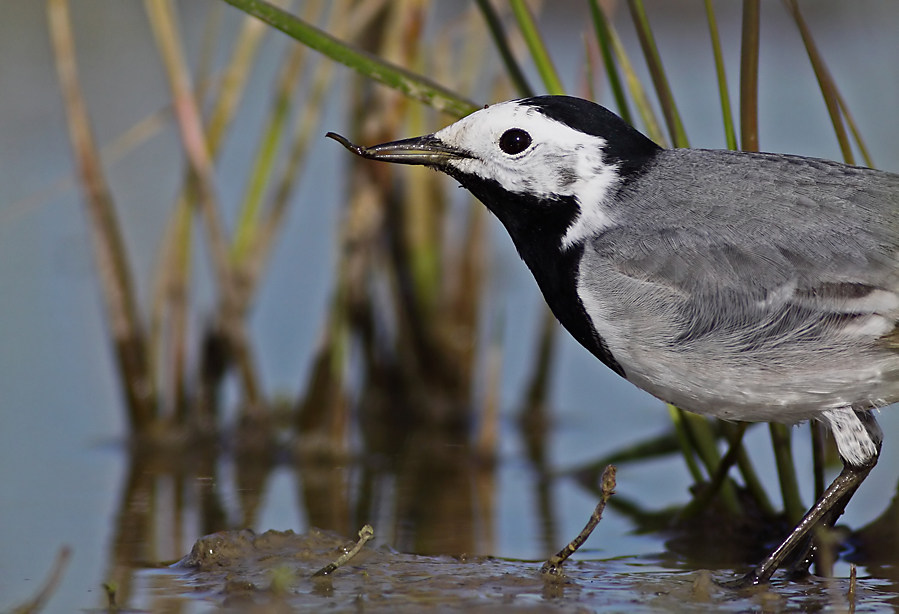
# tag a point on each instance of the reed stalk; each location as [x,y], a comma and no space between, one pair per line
[172,282]
[657,72]
[781,442]
[305,127]
[413,85]
[703,439]
[109,246]
[604,37]
[825,81]
[249,214]
[537,47]
[641,100]
[730,133]
[500,41]
[749,76]
[192,132]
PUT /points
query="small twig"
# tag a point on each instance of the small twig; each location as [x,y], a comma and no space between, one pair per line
[853,586]
[49,587]
[553,566]
[364,535]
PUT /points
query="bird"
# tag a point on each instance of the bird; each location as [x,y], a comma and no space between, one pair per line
[758,287]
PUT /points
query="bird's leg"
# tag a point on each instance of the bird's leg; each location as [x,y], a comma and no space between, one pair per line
[859,439]
[811,550]
[834,498]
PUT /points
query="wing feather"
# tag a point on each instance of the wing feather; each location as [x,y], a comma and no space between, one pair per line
[804,256]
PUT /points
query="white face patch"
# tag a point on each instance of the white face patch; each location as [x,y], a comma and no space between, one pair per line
[560,161]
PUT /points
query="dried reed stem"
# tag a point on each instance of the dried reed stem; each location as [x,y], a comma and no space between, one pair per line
[195,145]
[109,247]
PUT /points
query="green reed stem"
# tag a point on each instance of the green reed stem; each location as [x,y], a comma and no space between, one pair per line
[193,138]
[234,81]
[263,166]
[853,128]
[305,125]
[781,441]
[411,84]
[730,133]
[719,479]
[171,287]
[825,81]
[641,99]
[749,76]
[683,438]
[704,442]
[606,44]
[495,26]
[657,72]
[753,484]
[538,50]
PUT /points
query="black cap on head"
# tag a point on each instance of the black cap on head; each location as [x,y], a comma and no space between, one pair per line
[625,145]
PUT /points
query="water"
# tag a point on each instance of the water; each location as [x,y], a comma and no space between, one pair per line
[65,476]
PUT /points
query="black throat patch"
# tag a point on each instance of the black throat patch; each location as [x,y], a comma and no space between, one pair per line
[537,227]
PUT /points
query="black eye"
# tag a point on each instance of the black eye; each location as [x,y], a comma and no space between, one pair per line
[514,141]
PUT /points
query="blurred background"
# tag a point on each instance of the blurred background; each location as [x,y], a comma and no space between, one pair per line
[384,357]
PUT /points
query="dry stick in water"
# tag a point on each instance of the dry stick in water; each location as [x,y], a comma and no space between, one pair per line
[553,566]
[364,535]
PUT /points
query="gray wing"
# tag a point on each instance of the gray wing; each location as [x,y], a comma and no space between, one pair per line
[763,294]
[799,254]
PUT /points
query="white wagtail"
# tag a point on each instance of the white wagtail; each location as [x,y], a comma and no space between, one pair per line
[747,286]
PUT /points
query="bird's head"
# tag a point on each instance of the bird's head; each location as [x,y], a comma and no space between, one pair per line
[546,165]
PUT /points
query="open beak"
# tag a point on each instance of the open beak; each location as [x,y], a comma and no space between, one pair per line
[425,150]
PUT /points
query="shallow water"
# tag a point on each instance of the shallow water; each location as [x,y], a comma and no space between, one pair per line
[272,572]
[66,477]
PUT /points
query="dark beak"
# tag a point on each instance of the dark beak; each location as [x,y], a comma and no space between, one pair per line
[425,150]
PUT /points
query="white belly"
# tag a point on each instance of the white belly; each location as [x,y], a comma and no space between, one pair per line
[709,375]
